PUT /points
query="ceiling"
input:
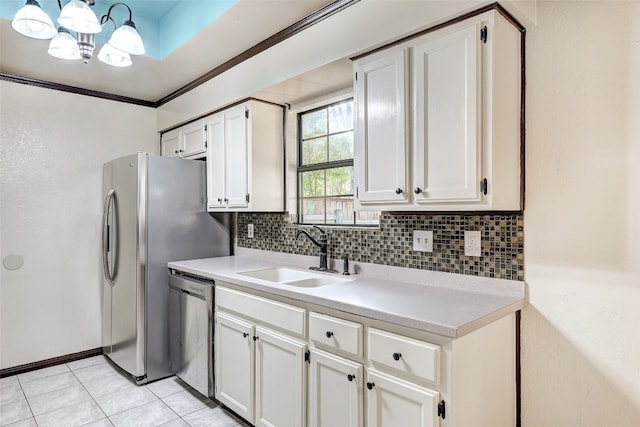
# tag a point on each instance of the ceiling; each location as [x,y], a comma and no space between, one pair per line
[237,26]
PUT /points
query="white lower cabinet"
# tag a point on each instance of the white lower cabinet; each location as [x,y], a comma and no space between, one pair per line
[280,380]
[234,364]
[358,372]
[392,402]
[260,374]
[335,391]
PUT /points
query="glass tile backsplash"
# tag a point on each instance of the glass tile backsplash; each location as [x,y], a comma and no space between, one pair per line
[392,243]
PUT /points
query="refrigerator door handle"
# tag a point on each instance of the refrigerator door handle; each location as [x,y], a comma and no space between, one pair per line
[106,238]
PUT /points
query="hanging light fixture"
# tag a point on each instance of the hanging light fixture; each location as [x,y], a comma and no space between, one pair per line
[64,46]
[32,21]
[77,16]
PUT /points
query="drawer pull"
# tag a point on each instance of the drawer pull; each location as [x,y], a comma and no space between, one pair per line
[244,334]
[397,356]
[351,377]
[256,338]
[329,334]
[370,386]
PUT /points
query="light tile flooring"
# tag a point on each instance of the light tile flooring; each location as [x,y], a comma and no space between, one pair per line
[91,392]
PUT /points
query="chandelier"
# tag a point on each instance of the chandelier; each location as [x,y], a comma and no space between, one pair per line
[77,17]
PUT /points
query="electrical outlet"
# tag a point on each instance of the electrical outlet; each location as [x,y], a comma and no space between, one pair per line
[250,231]
[423,240]
[472,243]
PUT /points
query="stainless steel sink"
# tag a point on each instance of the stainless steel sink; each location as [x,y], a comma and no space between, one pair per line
[292,277]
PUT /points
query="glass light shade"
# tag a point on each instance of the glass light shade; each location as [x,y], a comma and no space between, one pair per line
[127,39]
[32,21]
[115,57]
[77,16]
[64,46]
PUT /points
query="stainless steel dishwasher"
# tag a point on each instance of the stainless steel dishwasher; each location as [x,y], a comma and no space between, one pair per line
[191,330]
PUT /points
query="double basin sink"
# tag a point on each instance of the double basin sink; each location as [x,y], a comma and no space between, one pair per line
[292,277]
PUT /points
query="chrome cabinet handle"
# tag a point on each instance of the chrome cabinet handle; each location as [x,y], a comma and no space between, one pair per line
[399,191]
[418,190]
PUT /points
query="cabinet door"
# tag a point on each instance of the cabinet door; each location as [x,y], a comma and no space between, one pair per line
[234,364]
[237,157]
[335,391]
[392,402]
[280,380]
[170,143]
[381,134]
[447,142]
[192,139]
[216,171]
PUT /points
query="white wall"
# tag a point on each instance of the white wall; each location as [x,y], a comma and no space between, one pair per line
[581,330]
[52,148]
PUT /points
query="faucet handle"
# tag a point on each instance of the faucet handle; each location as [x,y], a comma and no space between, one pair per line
[345,264]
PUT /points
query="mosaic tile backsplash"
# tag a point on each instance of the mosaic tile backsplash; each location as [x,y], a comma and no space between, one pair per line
[392,244]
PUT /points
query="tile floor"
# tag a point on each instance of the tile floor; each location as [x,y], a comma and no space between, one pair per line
[92,392]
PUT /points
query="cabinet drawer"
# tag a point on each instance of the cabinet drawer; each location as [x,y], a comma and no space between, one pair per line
[265,311]
[327,331]
[388,351]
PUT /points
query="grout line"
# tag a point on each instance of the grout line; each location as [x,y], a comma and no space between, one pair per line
[90,397]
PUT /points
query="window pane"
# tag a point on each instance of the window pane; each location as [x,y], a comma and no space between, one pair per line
[340,210]
[341,146]
[314,151]
[339,181]
[313,183]
[341,117]
[314,124]
[313,211]
[368,217]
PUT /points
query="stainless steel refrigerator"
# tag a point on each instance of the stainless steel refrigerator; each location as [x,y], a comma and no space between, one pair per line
[154,212]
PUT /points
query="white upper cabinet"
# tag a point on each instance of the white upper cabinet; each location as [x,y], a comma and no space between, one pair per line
[193,140]
[445,134]
[245,158]
[188,141]
[446,92]
[170,144]
[381,128]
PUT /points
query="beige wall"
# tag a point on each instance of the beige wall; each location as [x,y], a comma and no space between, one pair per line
[581,330]
[52,148]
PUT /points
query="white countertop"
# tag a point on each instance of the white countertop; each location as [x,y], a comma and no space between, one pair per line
[451,305]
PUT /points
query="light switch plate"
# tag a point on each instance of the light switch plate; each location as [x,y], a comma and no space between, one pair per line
[250,231]
[423,240]
[472,243]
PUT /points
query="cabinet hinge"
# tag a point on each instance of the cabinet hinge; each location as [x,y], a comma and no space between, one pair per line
[483,34]
[357,192]
[307,356]
[484,186]
[356,76]
[441,409]
[248,198]
[246,113]
[205,128]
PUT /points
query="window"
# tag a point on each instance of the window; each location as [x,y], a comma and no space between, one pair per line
[325,167]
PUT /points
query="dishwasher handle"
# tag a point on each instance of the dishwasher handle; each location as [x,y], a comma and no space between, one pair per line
[199,288]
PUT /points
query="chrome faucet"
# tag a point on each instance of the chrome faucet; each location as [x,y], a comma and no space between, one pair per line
[322,244]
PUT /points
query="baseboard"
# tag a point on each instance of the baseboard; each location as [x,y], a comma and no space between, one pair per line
[21,369]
